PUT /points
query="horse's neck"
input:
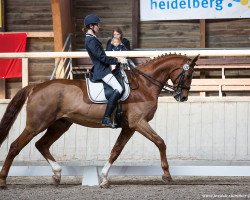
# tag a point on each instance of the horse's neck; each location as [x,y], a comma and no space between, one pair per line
[160,70]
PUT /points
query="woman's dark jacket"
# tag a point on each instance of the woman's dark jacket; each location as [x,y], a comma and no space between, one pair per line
[120,47]
[125,42]
[99,58]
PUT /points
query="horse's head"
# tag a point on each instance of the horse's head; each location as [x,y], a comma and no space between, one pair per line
[181,78]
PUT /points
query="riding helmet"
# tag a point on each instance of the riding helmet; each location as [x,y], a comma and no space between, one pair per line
[91,19]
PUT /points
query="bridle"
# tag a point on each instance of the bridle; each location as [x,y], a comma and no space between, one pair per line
[182,83]
[165,86]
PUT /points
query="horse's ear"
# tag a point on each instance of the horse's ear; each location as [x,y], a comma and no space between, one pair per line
[193,61]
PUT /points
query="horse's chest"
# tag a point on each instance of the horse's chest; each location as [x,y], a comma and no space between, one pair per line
[149,110]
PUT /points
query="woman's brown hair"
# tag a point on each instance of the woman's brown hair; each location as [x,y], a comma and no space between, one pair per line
[118,30]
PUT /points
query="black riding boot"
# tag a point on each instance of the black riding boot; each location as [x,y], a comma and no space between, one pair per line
[112,102]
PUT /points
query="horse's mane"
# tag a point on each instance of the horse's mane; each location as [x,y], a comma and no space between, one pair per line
[163,57]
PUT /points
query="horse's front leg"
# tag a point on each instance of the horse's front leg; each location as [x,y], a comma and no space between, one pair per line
[121,141]
[145,129]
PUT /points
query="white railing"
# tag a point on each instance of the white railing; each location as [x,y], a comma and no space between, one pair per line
[83,54]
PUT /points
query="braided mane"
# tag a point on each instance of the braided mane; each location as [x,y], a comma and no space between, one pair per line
[163,56]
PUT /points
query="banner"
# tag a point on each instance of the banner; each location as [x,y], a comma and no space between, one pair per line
[12,68]
[193,9]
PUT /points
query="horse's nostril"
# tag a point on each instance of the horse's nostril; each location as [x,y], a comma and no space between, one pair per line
[184,98]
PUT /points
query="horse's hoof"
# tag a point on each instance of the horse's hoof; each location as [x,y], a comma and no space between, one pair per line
[3,185]
[56,180]
[105,184]
[167,179]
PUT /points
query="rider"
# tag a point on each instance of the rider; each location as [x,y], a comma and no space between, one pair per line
[101,69]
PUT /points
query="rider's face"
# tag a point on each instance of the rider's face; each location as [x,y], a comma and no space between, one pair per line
[96,28]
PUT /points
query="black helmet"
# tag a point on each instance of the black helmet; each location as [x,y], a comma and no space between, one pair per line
[91,19]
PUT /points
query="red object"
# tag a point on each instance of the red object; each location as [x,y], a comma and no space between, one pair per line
[13,42]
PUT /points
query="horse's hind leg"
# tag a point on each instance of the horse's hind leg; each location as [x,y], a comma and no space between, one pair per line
[52,134]
[121,141]
[25,137]
[145,129]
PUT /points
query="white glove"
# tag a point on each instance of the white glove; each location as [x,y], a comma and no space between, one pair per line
[123,61]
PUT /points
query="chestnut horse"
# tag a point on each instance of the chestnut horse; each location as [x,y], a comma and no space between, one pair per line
[55,105]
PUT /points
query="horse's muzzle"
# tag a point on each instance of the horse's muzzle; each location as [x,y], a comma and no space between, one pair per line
[180,98]
[184,99]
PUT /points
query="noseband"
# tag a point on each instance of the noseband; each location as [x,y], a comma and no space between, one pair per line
[165,86]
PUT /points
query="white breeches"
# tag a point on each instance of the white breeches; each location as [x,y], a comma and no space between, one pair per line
[112,81]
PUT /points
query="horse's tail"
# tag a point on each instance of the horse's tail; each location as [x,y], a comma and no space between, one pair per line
[12,111]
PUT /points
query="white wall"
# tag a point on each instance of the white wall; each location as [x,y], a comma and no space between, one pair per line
[208,129]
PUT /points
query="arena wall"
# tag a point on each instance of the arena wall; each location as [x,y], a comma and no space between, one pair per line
[202,130]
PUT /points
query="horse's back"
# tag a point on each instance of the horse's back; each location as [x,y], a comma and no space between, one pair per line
[57,92]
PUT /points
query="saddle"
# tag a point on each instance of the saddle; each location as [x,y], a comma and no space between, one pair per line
[99,91]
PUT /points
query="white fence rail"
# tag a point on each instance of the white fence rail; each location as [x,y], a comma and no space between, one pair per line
[189,52]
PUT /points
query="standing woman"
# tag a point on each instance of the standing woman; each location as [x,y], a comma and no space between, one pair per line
[117,33]
[101,65]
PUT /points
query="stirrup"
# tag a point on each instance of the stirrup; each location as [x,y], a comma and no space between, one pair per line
[106,121]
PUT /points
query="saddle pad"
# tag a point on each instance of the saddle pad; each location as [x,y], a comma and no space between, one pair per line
[96,91]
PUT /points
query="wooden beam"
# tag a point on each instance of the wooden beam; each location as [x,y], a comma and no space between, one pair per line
[2,89]
[202,45]
[206,88]
[48,34]
[57,25]
[62,22]
[2,28]
[222,66]
[135,23]
[40,34]
[67,23]
[229,81]
[2,13]
[202,33]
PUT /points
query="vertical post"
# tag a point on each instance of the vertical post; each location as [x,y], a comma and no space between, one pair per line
[2,15]
[135,23]
[62,25]
[202,33]
[2,28]
[202,45]
[2,89]
[57,28]
[57,24]
[25,72]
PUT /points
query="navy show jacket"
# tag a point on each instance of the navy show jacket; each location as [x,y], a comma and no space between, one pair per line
[101,61]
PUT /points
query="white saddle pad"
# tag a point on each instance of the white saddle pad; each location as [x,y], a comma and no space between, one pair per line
[96,90]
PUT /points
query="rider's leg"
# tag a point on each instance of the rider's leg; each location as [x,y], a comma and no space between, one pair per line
[112,102]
